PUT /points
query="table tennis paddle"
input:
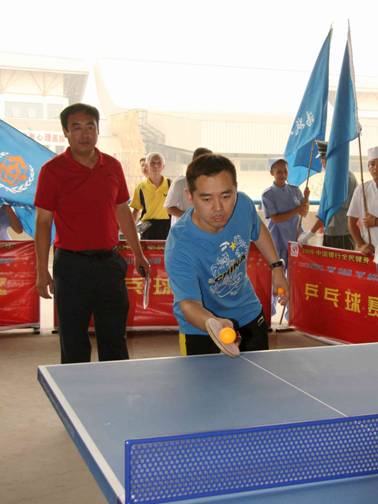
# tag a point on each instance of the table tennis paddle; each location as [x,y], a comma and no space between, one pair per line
[146,288]
[214,327]
[146,291]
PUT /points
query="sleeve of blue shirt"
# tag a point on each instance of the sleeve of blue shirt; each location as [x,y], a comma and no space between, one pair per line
[268,205]
[183,278]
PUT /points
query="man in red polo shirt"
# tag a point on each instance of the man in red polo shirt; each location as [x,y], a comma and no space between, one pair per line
[84,191]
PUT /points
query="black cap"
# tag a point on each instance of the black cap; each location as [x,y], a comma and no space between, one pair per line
[322,148]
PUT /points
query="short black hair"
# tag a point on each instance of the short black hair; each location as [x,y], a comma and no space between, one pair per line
[208,165]
[78,107]
[142,159]
[200,151]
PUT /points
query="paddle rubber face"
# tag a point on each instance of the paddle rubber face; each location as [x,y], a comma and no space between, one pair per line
[214,327]
[146,291]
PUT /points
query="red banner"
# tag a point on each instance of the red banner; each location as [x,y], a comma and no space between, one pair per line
[160,309]
[333,293]
[19,300]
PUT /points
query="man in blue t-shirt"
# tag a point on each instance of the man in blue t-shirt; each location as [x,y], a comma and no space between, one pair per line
[206,259]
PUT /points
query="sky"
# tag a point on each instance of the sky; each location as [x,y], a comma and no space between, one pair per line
[209,55]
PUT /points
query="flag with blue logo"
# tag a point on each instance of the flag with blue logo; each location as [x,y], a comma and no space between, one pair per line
[21,159]
[310,121]
[345,127]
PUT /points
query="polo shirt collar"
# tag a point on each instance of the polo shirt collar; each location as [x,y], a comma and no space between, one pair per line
[278,188]
[68,155]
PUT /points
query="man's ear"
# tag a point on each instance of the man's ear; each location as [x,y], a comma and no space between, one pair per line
[188,195]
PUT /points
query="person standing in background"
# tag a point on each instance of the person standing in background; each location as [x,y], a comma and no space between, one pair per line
[84,191]
[361,220]
[283,205]
[148,200]
[336,234]
[143,167]
[177,200]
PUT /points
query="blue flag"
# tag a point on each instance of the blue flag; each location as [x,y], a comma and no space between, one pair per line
[21,159]
[345,127]
[310,121]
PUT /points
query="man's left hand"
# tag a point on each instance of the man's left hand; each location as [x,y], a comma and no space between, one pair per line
[281,285]
[369,220]
[142,265]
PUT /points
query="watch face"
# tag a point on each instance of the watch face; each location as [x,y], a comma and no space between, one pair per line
[278,264]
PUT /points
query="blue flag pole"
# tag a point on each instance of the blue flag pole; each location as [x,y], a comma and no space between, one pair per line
[310,122]
[345,128]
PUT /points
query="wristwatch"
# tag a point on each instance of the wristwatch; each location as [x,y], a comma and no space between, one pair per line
[278,264]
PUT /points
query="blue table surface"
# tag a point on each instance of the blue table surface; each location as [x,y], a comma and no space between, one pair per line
[104,404]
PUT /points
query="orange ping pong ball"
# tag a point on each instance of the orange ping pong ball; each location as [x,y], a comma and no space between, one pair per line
[227,335]
[280,291]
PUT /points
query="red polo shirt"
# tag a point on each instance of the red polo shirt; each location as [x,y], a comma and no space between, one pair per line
[83,200]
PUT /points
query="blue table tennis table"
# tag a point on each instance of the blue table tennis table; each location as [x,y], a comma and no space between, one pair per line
[102,405]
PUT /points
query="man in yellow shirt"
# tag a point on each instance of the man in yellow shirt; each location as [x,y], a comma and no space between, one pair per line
[148,200]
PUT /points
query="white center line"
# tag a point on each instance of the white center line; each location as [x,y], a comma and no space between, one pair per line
[294,386]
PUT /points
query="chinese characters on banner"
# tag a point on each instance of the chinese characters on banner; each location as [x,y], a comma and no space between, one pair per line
[19,300]
[160,310]
[333,293]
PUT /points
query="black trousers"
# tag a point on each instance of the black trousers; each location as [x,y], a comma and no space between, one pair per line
[158,230]
[85,286]
[341,242]
[254,336]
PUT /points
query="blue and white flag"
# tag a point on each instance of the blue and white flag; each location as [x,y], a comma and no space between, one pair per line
[345,127]
[310,121]
[21,159]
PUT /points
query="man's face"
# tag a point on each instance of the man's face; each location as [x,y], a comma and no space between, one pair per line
[155,166]
[143,167]
[279,173]
[373,169]
[213,200]
[81,133]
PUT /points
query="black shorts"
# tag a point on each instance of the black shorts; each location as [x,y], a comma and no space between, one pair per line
[254,336]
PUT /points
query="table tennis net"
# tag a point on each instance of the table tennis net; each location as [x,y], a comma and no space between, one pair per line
[221,462]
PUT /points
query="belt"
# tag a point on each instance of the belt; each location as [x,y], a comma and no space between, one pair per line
[92,253]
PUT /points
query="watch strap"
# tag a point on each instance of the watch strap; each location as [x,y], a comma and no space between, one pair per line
[278,264]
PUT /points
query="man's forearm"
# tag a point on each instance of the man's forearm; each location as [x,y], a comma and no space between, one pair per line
[127,226]
[265,244]
[195,313]
[135,214]
[175,211]
[42,246]
[282,217]
[355,231]
[318,224]
[14,221]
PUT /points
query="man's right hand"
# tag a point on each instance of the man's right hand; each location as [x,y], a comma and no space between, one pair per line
[45,285]
[305,237]
[365,249]
[303,208]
